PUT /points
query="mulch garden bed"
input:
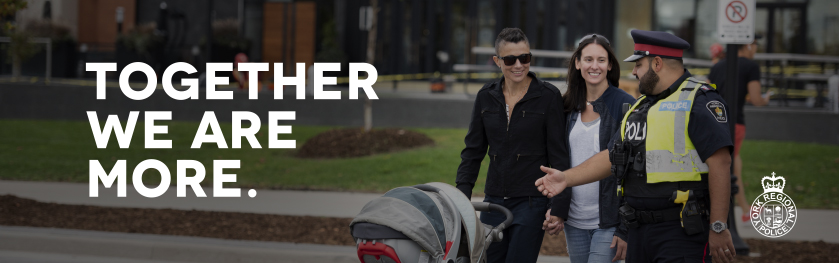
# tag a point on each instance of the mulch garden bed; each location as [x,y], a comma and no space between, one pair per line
[15,211]
[355,142]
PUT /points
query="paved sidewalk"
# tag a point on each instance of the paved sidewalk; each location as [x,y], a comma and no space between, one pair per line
[36,244]
[49,245]
[812,225]
[29,244]
[298,203]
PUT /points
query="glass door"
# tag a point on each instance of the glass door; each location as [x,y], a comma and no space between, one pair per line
[783,26]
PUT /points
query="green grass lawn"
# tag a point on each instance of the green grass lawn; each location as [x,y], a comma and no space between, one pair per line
[60,150]
[811,171]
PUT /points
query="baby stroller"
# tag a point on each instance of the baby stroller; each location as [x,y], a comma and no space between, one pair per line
[425,223]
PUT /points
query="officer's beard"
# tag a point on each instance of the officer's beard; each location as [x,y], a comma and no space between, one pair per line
[648,82]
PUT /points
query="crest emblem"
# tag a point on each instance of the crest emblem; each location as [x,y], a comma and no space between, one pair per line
[773,213]
[717,109]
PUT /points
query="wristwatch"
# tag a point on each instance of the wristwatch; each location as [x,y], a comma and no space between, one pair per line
[718,226]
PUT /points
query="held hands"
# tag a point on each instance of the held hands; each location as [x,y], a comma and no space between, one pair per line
[553,224]
[721,247]
[552,183]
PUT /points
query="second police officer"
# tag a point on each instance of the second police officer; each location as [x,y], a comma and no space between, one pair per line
[671,156]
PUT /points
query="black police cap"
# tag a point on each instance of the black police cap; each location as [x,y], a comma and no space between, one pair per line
[656,43]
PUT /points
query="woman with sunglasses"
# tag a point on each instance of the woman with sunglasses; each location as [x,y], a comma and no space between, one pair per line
[589,213]
[520,119]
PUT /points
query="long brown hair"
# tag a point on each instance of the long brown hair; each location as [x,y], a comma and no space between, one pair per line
[575,98]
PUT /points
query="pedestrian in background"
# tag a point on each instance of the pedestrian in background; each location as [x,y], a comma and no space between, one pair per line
[589,213]
[748,86]
[717,53]
[520,119]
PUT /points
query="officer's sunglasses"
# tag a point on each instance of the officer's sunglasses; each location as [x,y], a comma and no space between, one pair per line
[511,60]
[596,36]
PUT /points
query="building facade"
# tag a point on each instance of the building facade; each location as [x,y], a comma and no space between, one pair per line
[412,36]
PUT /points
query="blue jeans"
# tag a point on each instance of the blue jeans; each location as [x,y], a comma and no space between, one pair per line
[590,245]
[523,238]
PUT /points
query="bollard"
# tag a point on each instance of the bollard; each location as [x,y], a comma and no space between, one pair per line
[740,246]
[833,92]
[438,86]
[449,80]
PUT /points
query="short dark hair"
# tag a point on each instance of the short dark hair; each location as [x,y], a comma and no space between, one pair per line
[679,61]
[510,35]
[673,61]
[741,46]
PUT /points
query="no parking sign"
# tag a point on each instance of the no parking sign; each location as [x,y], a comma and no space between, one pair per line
[736,21]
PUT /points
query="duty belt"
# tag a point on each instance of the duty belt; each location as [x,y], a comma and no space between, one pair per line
[638,187]
[634,217]
[658,216]
[690,213]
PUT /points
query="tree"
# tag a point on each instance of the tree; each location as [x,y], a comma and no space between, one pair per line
[371,57]
[10,7]
[20,48]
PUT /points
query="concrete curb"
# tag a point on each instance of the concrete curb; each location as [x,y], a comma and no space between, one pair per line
[165,248]
[42,257]
[60,245]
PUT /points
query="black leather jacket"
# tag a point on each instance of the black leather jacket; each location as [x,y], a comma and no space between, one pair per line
[535,136]
[609,107]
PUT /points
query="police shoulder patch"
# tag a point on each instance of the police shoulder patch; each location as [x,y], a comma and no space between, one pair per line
[717,109]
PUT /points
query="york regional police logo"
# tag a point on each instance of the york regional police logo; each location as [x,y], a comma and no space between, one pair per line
[773,213]
[717,109]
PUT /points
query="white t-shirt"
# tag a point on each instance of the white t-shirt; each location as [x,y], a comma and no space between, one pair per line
[584,142]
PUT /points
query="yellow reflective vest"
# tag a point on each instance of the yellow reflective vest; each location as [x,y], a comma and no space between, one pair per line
[670,154]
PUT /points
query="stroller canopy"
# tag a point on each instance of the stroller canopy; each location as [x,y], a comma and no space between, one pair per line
[411,212]
[432,219]
[475,230]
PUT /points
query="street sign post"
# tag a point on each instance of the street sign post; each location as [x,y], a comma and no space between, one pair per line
[735,25]
[736,21]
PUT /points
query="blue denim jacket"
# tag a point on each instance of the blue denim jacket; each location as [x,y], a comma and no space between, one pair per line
[609,107]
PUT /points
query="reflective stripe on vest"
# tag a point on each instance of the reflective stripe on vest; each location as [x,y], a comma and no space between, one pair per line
[670,154]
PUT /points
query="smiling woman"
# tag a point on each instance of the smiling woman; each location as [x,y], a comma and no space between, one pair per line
[588,213]
[519,120]
[592,69]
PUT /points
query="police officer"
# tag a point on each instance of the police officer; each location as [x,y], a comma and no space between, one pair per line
[672,158]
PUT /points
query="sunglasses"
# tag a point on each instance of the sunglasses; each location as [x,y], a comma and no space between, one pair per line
[511,60]
[596,36]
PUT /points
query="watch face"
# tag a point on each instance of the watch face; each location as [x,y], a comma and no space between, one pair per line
[718,226]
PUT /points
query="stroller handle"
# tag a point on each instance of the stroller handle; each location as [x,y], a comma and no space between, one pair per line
[484,207]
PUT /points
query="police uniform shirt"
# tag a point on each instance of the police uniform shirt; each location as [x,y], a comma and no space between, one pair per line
[707,128]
